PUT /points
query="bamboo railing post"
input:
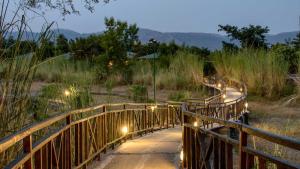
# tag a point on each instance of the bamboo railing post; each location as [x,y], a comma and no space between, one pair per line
[216,153]
[105,134]
[229,156]
[27,148]
[68,142]
[168,113]
[242,154]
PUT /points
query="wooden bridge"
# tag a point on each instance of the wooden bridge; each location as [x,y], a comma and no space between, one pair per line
[97,137]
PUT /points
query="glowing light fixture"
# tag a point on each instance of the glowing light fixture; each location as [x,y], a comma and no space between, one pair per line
[195,124]
[241,89]
[224,96]
[67,93]
[181,155]
[124,130]
[153,108]
[219,85]
[246,105]
[110,64]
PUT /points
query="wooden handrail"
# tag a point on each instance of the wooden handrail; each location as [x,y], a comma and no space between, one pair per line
[204,138]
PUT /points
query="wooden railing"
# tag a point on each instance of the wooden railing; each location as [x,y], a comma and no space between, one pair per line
[213,138]
[74,139]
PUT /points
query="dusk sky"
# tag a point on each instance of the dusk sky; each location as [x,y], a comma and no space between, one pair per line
[183,15]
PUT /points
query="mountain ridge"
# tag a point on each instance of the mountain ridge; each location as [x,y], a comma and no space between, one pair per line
[212,41]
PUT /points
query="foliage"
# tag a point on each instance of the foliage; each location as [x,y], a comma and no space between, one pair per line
[86,48]
[289,54]
[65,7]
[117,40]
[26,46]
[264,72]
[62,44]
[138,93]
[249,37]
[176,76]
[49,49]
[179,96]
[55,98]
[296,42]
[60,69]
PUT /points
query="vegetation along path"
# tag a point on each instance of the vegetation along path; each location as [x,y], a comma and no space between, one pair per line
[154,151]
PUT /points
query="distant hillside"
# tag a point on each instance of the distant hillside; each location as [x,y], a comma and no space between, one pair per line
[207,40]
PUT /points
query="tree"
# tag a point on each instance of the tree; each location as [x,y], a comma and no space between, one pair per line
[86,48]
[289,54]
[62,44]
[65,7]
[296,42]
[117,40]
[229,47]
[249,37]
[48,49]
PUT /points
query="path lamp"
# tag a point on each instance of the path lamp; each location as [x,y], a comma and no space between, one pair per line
[154,45]
[246,106]
[67,93]
[124,130]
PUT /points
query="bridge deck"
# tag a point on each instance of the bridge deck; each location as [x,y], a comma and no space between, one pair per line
[153,151]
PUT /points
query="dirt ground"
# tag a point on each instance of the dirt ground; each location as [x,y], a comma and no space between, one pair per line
[275,117]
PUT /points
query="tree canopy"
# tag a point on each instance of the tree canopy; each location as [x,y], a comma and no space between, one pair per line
[252,36]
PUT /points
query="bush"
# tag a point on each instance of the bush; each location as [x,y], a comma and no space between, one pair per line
[138,93]
[179,96]
[58,97]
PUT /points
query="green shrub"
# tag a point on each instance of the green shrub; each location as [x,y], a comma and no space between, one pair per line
[179,95]
[138,93]
[55,98]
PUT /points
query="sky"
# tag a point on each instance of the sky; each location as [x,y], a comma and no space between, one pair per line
[181,15]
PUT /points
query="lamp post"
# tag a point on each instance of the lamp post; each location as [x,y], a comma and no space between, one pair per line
[153,44]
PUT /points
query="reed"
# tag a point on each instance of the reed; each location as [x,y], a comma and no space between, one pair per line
[264,72]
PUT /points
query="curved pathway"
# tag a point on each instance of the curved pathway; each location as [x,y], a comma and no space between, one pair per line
[159,150]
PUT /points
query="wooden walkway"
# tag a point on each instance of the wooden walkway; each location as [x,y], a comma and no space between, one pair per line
[159,150]
[153,151]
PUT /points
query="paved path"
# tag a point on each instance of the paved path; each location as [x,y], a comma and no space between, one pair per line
[232,94]
[159,150]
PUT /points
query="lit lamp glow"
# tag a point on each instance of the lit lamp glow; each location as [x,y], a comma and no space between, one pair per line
[67,93]
[153,108]
[241,89]
[246,105]
[195,124]
[224,96]
[181,155]
[110,64]
[124,130]
[219,85]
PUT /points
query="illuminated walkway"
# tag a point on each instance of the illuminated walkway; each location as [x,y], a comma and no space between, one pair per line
[159,150]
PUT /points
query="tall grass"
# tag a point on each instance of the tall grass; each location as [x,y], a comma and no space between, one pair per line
[185,70]
[61,69]
[264,72]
